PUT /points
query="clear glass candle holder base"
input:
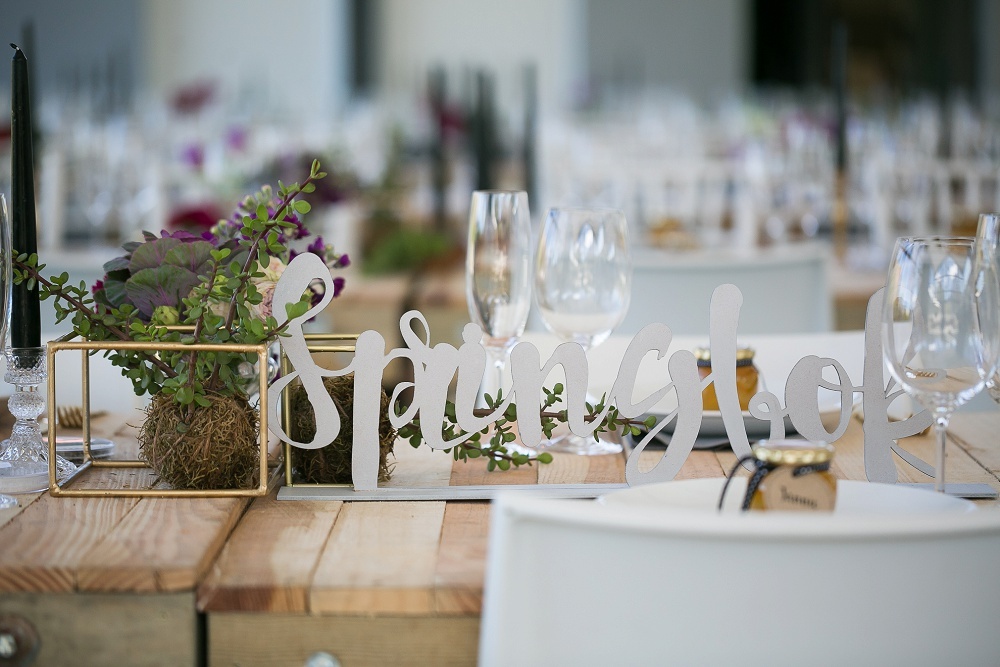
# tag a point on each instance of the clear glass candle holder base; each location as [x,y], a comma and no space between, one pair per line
[20,480]
[24,456]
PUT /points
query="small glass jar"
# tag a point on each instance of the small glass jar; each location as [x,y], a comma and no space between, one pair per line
[792,476]
[747,377]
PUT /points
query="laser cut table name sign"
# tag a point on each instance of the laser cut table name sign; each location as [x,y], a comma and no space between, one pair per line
[435,366]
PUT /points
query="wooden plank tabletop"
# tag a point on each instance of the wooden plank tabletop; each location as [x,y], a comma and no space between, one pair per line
[429,558]
[331,557]
[112,545]
[371,582]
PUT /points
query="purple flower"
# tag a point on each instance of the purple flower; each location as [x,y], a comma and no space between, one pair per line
[338,286]
[193,155]
[97,287]
[317,247]
[300,231]
[236,138]
[231,228]
[342,262]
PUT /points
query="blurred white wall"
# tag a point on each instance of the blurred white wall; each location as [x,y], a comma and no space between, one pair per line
[416,35]
[286,57]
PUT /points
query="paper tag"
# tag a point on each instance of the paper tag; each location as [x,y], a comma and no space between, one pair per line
[781,491]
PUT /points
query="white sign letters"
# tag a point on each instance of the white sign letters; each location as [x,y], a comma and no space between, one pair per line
[434,367]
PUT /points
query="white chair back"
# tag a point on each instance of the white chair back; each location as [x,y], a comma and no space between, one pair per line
[785,289]
[580,583]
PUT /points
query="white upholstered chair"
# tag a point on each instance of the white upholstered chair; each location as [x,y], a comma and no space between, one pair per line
[580,583]
[785,289]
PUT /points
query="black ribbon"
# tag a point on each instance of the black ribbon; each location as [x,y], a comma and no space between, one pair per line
[761,470]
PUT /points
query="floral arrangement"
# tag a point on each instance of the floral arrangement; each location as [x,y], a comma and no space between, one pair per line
[179,287]
[200,430]
[183,288]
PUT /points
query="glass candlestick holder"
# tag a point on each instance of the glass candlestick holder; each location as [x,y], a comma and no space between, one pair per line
[24,456]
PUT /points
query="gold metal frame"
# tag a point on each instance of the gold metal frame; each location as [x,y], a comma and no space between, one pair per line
[60,489]
[313,343]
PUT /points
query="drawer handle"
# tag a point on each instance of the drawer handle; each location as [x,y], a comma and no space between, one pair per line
[322,659]
[19,641]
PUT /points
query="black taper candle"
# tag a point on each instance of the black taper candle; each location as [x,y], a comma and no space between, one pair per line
[25,324]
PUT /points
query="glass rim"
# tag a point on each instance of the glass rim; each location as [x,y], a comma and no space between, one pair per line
[936,239]
[588,209]
[500,192]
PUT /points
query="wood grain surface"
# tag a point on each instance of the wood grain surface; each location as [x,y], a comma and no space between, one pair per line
[372,583]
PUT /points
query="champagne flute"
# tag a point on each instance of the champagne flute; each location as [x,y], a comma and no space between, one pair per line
[940,324]
[988,234]
[497,273]
[583,277]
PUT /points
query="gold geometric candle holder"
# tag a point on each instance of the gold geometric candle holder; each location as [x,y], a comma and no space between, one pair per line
[70,487]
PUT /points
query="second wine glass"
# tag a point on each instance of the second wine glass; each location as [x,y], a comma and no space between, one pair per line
[583,279]
[939,325]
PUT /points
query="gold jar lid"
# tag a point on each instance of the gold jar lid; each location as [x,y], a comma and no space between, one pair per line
[792,452]
[744,356]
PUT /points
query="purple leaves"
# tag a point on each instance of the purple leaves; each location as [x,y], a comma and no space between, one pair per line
[163,286]
[159,272]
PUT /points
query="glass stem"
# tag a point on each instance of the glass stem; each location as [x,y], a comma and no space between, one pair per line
[495,357]
[941,431]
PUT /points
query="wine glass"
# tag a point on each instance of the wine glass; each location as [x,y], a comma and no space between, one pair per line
[6,279]
[583,277]
[988,233]
[940,325]
[497,273]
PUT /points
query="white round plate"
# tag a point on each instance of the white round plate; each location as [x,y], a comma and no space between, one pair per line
[854,498]
[712,424]
[71,446]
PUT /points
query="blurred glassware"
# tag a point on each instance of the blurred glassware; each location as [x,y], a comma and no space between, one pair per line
[583,280]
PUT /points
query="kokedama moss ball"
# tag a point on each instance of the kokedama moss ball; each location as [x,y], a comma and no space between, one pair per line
[331,464]
[218,448]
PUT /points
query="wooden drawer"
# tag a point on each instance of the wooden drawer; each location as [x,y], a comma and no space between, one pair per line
[277,640]
[102,629]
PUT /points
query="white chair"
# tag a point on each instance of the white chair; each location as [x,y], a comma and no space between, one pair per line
[785,289]
[579,583]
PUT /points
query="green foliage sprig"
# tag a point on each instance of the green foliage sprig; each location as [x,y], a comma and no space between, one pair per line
[501,434]
[217,309]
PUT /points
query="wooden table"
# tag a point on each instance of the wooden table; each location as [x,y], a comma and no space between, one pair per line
[169,582]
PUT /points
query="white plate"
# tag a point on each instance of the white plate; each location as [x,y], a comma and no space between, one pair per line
[712,425]
[71,447]
[853,497]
